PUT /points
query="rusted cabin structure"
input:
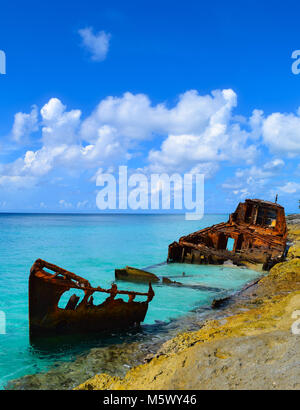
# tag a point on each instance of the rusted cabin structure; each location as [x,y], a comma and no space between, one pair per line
[256,232]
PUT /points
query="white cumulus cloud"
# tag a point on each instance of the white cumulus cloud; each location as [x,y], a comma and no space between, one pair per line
[255,179]
[281,133]
[290,188]
[197,134]
[59,125]
[97,44]
[25,124]
[206,133]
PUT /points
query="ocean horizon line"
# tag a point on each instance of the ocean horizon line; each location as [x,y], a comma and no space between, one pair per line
[103,213]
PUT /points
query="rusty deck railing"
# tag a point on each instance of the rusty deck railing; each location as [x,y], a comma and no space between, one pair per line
[84,284]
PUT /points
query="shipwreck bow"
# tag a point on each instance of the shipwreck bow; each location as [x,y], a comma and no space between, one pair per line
[46,318]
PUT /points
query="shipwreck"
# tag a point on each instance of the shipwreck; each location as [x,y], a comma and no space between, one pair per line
[46,318]
[256,232]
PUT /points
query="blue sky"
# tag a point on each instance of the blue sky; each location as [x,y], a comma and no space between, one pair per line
[159,86]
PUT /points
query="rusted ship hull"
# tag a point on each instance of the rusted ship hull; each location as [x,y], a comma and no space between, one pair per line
[46,318]
[130,274]
[257,230]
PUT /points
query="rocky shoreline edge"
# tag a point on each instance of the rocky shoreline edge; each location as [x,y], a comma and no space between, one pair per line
[254,344]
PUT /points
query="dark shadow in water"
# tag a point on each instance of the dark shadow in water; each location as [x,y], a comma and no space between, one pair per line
[155,265]
[60,345]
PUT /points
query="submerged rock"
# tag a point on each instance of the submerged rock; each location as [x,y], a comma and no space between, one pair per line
[198,286]
[217,303]
[113,360]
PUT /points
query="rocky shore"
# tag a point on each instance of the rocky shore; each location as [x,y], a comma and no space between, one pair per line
[250,346]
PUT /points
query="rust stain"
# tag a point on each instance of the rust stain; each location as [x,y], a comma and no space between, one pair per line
[258,232]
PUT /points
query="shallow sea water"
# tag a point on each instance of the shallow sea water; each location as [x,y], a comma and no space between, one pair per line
[92,246]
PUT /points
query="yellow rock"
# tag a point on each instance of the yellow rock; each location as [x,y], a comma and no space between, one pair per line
[165,371]
[294,251]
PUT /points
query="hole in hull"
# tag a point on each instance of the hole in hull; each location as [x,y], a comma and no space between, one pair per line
[68,300]
[230,244]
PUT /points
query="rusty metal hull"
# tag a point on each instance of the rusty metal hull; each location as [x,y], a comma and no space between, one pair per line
[130,274]
[258,229]
[46,318]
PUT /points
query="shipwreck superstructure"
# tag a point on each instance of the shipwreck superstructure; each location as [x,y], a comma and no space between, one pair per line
[47,318]
[256,232]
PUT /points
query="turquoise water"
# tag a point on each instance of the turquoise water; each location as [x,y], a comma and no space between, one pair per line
[93,246]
